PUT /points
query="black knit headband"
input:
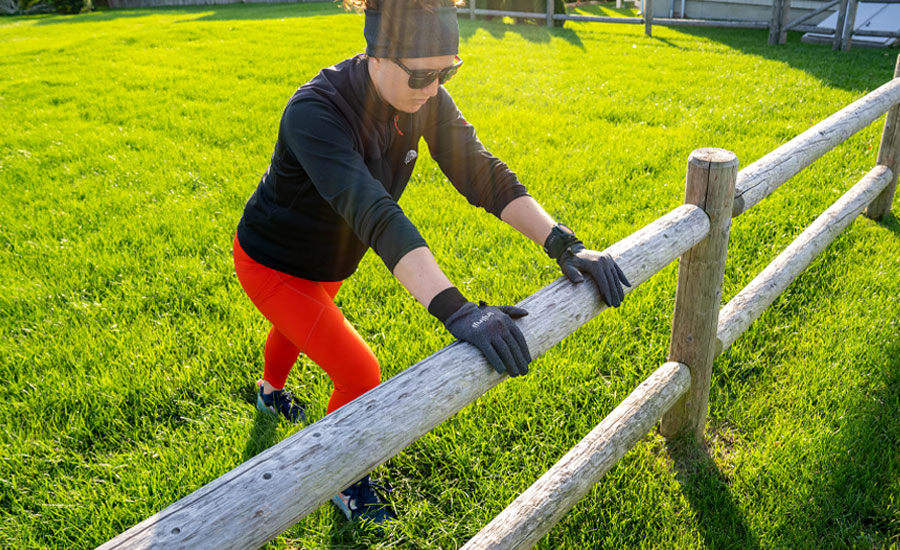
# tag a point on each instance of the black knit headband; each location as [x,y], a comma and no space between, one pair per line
[420,33]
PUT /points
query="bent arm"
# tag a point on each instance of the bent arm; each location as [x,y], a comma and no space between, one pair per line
[528,218]
[420,274]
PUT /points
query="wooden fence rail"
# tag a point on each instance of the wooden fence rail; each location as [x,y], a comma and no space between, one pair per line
[888,155]
[756,297]
[309,467]
[662,22]
[758,180]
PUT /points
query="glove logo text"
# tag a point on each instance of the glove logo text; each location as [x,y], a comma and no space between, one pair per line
[484,318]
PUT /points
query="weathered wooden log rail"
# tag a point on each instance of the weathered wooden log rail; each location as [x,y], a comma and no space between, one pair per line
[760,179]
[756,297]
[312,465]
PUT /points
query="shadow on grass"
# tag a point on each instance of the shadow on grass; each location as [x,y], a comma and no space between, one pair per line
[852,70]
[719,519]
[262,435]
[532,32]
[270,11]
[891,223]
[669,43]
[844,70]
[353,536]
[608,9]
[856,505]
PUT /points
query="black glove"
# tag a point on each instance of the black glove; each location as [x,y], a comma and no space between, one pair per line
[575,259]
[491,329]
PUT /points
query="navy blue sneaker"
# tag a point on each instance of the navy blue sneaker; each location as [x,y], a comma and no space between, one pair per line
[280,403]
[360,502]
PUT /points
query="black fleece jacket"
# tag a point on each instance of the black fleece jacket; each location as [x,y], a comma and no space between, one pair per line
[342,159]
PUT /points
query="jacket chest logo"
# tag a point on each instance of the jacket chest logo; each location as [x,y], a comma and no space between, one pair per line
[410,156]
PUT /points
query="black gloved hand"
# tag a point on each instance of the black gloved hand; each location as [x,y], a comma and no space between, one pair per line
[492,330]
[600,267]
[569,252]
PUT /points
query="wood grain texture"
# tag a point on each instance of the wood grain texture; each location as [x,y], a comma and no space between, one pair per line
[758,180]
[305,470]
[753,300]
[541,506]
[711,175]
[647,10]
[888,155]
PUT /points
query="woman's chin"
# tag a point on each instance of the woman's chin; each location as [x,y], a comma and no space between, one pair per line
[413,106]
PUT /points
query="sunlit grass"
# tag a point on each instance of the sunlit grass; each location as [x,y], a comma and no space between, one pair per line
[129,141]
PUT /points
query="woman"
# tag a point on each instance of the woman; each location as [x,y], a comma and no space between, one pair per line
[347,145]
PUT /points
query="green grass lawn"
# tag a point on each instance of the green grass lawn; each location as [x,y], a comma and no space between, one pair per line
[130,140]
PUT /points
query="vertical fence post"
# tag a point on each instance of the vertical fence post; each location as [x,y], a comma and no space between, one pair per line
[775,22]
[648,17]
[839,26]
[783,22]
[472,9]
[847,39]
[888,155]
[711,175]
[550,7]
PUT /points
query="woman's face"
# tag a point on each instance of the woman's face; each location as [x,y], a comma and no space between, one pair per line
[392,82]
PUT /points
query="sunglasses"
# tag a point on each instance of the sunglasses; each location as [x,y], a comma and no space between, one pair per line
[419,78]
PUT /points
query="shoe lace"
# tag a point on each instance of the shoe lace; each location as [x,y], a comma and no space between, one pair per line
[284,400]
[363,492]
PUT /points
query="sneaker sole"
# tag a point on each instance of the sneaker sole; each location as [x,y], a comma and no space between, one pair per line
[342,506]
[263,408]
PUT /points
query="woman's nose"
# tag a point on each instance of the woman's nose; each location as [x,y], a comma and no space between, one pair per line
[432,88]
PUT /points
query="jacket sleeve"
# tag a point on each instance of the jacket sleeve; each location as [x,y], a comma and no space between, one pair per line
[323,144]
[481,177]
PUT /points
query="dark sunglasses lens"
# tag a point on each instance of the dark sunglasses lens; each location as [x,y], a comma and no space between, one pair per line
[417,81]
[447,74]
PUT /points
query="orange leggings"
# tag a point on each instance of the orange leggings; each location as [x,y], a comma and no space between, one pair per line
[305,319]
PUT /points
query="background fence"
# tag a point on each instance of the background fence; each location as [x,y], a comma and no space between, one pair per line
[778,25]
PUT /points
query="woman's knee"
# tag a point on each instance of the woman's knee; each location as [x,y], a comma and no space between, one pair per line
[362,378]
